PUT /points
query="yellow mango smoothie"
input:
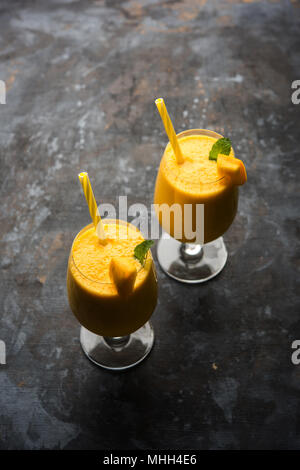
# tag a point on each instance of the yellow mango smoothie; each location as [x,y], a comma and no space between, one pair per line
[196,181]
[98,302]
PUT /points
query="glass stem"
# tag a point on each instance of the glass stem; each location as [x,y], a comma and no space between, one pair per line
[117,343]
[191,252]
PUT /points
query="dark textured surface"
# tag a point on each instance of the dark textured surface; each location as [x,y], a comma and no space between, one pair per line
[81,78]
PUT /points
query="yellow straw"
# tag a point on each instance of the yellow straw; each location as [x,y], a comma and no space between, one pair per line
[91,201]
[169,129]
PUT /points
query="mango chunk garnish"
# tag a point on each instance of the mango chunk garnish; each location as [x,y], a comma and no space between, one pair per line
[123,274]
[232,167]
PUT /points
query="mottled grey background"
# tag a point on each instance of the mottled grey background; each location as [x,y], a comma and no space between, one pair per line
[82,77]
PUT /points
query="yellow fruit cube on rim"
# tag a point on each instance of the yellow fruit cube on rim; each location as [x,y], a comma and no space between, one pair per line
[123,274]
[232,167]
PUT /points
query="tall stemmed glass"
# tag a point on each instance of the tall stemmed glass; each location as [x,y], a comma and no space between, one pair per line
[182,259]
[115,333]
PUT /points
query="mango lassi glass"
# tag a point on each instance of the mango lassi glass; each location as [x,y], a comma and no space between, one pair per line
[194,182]
[116,332]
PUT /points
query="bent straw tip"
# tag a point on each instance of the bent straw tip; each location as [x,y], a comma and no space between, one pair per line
[159,100]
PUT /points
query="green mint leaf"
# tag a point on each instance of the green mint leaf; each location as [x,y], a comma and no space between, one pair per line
[141,250]
[222,145]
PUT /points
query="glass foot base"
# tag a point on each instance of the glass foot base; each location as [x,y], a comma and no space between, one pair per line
[191,263]
[118,353]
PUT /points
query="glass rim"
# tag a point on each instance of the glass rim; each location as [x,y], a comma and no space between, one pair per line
[87,227]
[209,133]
